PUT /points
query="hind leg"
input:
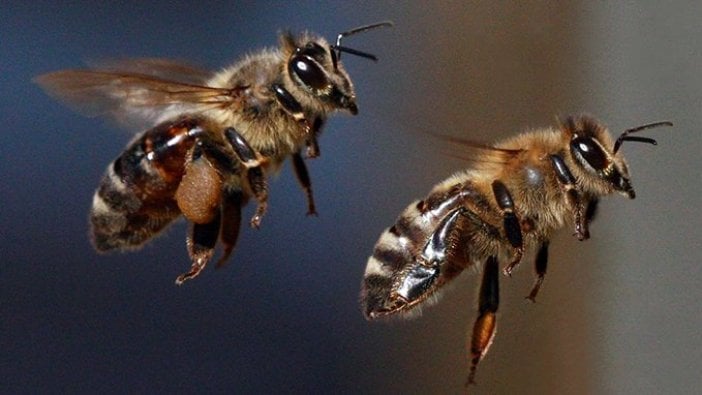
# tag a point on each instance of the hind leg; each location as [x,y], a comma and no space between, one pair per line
[486,323]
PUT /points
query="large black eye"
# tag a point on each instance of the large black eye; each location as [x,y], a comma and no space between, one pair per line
[587,149]
[308,72]
[314,50]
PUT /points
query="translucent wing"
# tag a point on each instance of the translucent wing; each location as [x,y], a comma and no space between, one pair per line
[156,67]
[137,90]
[477,153]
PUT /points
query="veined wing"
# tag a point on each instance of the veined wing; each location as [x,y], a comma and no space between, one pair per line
[477,153]
[133,95]
[155,67]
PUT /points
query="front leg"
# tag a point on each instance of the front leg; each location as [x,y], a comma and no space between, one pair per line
[540,265]
[301,172]
[311,143]
[254,172]
[294,109]
[304,178]
[572,197]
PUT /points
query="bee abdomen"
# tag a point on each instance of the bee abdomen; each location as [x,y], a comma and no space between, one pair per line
[431,243]
[395,250]
[400,273]
[119,219]
[135,199]
[390,255]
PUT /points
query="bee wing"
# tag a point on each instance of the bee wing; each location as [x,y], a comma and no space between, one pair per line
[155,67]
[140,93]
[478,153]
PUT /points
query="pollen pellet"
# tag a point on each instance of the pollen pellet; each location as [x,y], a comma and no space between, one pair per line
[199,192]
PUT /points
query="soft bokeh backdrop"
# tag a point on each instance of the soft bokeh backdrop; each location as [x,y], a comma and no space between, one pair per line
[619,313]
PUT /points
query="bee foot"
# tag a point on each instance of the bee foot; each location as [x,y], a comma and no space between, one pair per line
[194,272]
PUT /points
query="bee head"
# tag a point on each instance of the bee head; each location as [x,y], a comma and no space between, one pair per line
[315,67]
[592,149]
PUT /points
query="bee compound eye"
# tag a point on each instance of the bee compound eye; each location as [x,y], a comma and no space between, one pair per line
[308,72]
[314,50]
[590,151]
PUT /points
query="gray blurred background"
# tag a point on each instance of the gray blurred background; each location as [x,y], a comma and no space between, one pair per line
[619,313]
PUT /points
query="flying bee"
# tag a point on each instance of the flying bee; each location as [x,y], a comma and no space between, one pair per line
[214,137]
[509,202]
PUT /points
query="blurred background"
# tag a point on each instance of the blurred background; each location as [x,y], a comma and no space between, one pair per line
[619,313]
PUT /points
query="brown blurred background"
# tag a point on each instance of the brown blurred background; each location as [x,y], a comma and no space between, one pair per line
[619,313]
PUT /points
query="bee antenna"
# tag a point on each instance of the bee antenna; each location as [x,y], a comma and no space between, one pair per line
[339,48]
[356,52]
[625,135]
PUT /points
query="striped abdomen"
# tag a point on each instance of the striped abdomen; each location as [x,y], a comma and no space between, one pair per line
[135,199]
[427,247]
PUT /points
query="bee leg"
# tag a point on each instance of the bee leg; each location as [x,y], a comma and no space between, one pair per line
[415,277]
[201,244]
[540,265]
[232,201]
[572,196]
[585,211]
[511,225]
[254,173]
[289,103]
[437,258]
[486,323]
[581,226]
[541,262]
[312,144]
[304,178]
[294,109]
[200,189]
[312,147]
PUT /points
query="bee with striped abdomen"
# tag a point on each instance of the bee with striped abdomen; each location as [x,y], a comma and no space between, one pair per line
[516,194]
[213,138]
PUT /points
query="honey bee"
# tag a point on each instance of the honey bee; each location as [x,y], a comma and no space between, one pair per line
[509,202]
[214,137]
